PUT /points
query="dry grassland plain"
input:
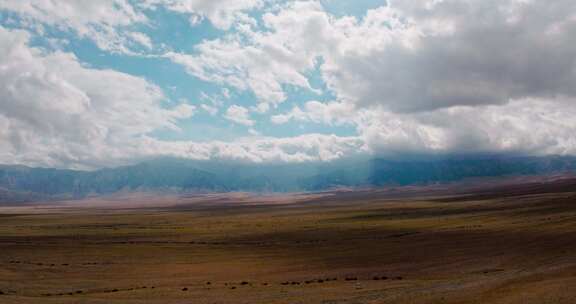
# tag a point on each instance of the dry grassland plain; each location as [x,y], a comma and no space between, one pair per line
[498,246]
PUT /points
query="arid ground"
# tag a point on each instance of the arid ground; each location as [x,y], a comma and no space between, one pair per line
[512,243]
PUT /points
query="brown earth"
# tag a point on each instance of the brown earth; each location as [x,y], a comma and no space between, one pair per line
[512,243]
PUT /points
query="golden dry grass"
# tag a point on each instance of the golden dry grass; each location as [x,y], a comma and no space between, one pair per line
[339,248]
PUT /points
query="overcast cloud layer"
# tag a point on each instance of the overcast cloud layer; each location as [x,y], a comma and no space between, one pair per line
[410,78]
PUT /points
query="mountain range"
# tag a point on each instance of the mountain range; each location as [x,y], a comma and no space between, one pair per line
[21,183]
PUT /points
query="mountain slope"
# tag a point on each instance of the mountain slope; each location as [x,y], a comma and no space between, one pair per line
[20,182]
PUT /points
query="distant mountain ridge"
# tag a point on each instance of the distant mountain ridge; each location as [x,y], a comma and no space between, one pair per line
[21,183]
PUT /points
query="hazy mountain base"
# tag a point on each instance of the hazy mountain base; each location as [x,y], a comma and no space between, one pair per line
[19,183]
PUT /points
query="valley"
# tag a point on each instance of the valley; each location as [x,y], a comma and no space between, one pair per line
[510,243]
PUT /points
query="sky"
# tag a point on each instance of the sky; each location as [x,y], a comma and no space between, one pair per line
[89,84]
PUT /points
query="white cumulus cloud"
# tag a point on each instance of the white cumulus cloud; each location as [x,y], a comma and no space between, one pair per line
[54,110]
[413,77]
[239,114]
[106,22]
[221,13]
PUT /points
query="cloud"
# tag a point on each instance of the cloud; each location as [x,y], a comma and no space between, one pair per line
[221,13]
[107,23]
[263,61]
[142,39]
[421,56]
[54,110]
[111,24]
[305,148]
[210,109]
[239,115]
[414,77]
[407,57]
[461,77]
[525,127]
[451,76]
[331,113]
[520,127]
